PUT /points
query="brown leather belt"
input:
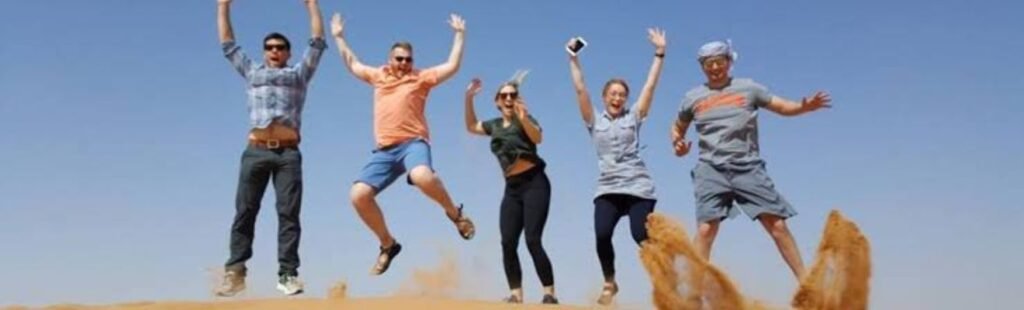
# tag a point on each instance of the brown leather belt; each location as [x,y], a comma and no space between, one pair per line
[273,144]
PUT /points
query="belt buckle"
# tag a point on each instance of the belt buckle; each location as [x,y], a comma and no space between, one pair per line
[273,144]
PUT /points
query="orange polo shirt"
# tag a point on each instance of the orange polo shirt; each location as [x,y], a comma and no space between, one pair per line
[398,105]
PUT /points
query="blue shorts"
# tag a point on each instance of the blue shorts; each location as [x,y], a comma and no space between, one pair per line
[716,189]
[387,164]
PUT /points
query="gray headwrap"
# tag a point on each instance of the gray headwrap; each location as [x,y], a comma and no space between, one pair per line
[717,48]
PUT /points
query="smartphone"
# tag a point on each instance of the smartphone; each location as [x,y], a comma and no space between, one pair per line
[577,45]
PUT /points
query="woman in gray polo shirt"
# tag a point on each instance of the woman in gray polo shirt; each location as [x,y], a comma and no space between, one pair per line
[524,207]
[624,186]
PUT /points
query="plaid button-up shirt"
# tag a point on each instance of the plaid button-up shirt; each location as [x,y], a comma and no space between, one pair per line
[276,93]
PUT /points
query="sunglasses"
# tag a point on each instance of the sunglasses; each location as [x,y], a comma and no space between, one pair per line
[714,61]
[509,96]
[403,59]
[275,47]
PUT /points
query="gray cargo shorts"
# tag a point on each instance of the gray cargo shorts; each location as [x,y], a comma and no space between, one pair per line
[716,189]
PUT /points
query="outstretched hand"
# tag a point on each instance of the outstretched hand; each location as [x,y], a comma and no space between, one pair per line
[474,87]
[337,25]
[657,38]
[818,101]
[457,23]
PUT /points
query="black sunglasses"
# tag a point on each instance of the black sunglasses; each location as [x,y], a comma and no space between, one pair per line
[273,47]
[510,96]
[401,59]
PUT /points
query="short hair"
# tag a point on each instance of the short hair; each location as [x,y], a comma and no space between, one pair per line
[278,36]
[402,44]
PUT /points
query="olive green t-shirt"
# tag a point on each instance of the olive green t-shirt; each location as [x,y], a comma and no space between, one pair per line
[511,143]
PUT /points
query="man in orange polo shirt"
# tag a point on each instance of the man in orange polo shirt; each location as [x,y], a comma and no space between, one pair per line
[400,127]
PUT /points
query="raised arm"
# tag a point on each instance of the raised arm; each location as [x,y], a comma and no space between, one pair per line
[349,58]
[317,44]
[788,108]
[643,104]
[232,51]
[316,21]
[224,21]
[532,129]
[472,124]
[582,95]
[450,67]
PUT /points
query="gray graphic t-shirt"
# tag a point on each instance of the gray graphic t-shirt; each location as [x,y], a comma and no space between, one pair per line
[726,121]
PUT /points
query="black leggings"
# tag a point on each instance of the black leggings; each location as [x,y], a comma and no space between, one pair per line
[608,209]
[525,207]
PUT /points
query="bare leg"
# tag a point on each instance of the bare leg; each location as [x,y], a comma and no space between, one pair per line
[428,182]
[776,227]
[364,200]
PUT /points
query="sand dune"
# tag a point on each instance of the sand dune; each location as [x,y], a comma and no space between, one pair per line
[837,280]
[311,304]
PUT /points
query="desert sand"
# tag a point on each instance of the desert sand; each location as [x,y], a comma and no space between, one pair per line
[838,279]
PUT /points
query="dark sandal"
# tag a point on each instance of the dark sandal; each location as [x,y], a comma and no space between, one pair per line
[389,253]
[464,225]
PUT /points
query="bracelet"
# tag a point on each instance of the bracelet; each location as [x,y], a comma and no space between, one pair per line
[662,55]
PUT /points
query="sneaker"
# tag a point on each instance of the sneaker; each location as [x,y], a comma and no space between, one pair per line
[608,294]
[289,285]
[549,300]
[233,283]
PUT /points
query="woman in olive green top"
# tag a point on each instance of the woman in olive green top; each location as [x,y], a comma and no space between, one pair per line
[524,207]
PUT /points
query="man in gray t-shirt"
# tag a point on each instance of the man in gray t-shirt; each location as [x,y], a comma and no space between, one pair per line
[730,170]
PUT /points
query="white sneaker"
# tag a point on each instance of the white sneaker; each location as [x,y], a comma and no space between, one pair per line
[289,285]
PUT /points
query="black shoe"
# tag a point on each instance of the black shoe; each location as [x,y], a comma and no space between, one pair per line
[549,300]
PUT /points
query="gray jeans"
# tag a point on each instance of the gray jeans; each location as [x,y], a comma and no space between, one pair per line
[258,167]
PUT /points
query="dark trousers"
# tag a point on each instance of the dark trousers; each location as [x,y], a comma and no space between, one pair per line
[607,211]
[259,166]
[525,208]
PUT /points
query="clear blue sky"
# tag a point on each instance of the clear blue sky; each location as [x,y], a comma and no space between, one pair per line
[123,127]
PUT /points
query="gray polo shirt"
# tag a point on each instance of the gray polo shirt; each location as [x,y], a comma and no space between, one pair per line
[726,121]
[618,151]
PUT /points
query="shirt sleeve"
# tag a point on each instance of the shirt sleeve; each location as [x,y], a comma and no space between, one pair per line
[237,57]
[429,77]
[312,58]
[761,94]
[686,110]
[590,126]
[488,126]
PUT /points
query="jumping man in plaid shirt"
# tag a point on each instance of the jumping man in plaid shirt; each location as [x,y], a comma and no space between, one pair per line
[276,94]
